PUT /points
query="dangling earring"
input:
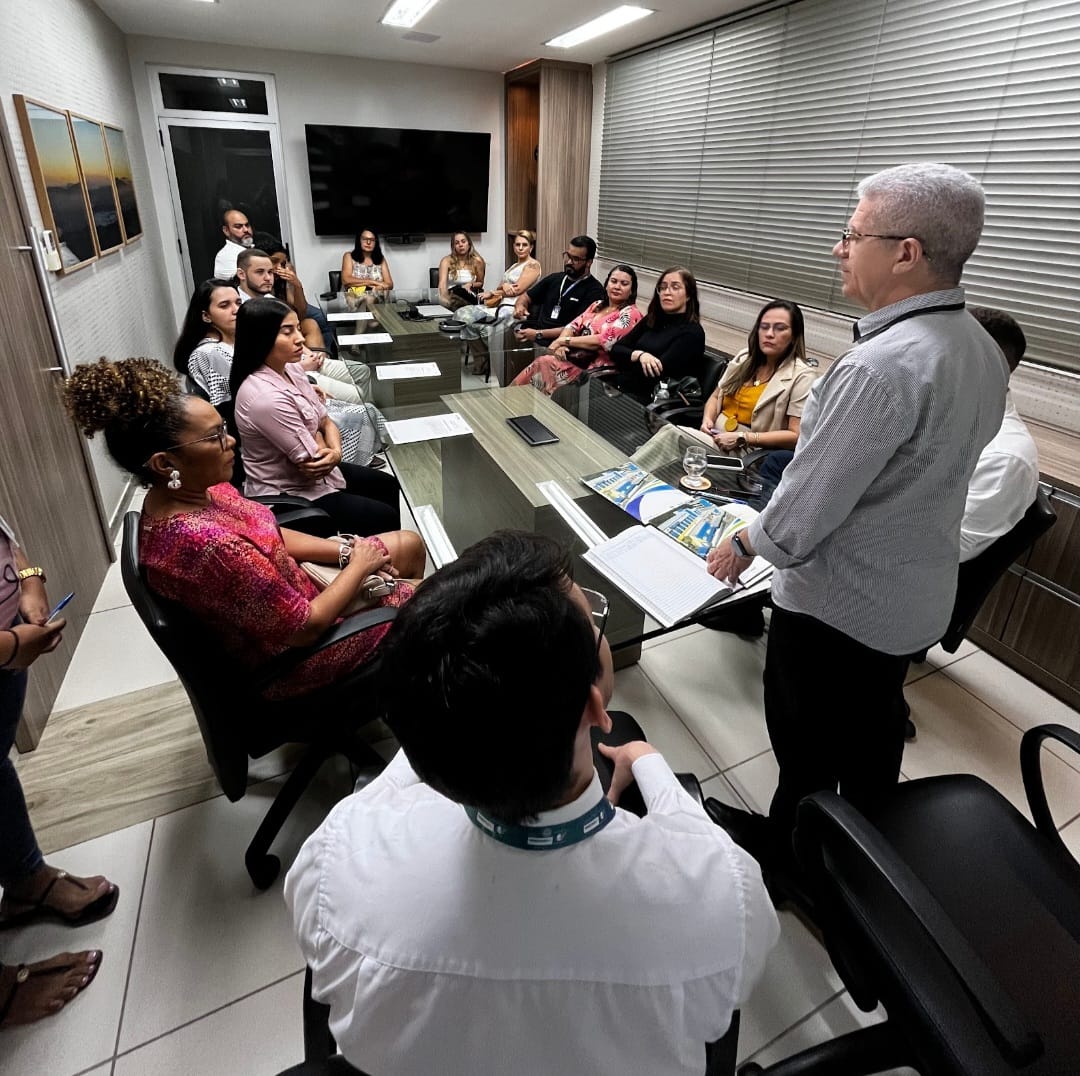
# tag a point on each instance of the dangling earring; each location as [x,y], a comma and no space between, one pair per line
[174,479]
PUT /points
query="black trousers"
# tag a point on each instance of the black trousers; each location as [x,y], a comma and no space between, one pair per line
[367,505]
[835,713]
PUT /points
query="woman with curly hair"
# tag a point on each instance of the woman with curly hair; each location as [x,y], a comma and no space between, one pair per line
[461,273]
[217,554]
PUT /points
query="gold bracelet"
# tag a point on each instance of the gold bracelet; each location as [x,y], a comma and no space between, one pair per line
[29,573]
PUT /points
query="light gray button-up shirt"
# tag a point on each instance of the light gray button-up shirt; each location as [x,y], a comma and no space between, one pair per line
[864,529]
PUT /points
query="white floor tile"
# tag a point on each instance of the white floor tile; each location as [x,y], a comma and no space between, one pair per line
[258,1036]
[636,694]
[112,594]
[115,655]
[718,787]
[1016,698]
[939,657]
[838,1017]
[100,1070]
[798,979]
[960,734]
[207,937]
[712,680]
[84,1032]
[755,781]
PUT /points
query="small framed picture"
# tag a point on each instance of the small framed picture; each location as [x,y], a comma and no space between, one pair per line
[50,151]
[97,178]
[120,164]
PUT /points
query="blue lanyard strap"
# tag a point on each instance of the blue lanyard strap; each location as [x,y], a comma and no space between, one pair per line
[544,838]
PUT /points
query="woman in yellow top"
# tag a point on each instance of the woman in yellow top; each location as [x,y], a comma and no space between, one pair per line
[760,398]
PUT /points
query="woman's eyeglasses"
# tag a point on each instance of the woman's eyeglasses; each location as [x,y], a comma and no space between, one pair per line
[221,433]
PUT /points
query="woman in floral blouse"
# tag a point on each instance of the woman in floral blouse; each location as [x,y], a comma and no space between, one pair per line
[584,343]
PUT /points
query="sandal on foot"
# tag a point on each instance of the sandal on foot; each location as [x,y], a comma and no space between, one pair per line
[25,972]
[36,910]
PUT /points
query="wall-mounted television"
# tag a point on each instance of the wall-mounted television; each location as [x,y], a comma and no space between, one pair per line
[397,180]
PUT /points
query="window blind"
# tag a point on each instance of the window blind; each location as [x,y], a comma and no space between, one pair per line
[737,150]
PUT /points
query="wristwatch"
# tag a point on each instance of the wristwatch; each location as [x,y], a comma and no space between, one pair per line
[29,573]
[740,440]
[738,546]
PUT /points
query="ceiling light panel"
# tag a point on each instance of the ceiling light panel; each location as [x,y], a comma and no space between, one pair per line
[406,13]
[603,24]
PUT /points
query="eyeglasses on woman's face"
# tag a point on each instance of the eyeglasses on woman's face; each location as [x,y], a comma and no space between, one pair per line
[218,433]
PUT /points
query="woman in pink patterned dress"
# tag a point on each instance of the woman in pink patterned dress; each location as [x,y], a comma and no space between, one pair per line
[221,556]
[584,343]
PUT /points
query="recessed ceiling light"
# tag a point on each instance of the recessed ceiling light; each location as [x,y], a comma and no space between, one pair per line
[233,82]
[406,12]
[603,24]
[238,102]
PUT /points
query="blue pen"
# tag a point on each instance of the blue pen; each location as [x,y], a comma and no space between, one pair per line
[60,605]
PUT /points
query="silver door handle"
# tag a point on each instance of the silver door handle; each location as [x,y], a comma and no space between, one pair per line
[54,370]
[22,248]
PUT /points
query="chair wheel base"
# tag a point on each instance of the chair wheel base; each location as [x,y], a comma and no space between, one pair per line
[262,869]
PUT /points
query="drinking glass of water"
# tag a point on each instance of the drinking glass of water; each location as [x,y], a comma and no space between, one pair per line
[694,462]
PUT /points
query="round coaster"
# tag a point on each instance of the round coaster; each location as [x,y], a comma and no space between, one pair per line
[696,484]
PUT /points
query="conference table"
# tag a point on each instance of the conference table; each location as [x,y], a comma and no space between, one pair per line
[362,336]
[462,488]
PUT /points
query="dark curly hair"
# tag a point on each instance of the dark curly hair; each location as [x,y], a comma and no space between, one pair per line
[136,403]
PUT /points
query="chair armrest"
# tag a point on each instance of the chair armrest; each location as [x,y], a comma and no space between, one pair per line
[1031,769]
[284,663]
[825,817]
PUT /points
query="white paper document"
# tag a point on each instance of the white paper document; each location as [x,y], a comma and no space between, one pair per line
[398,371]
[405,431]
[434,311]
[351,315]
[365,338]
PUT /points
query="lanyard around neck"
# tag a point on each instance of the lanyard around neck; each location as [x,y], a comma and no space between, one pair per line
[545,838]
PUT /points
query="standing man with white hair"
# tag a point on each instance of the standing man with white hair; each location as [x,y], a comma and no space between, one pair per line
[864,528]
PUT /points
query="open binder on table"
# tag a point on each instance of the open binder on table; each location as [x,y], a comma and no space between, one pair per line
[660,565]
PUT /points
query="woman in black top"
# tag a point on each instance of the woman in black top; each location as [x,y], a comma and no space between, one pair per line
[668,342]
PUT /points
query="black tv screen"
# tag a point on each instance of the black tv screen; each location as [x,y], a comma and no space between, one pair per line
[397,181]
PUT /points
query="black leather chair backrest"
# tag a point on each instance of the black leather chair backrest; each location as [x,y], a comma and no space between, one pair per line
[334,277]
[221,705]
[433,277]
[978,576]
[713,365]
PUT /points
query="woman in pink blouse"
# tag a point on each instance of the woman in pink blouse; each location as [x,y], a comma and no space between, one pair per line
[584,343]
[218,554]
[289,443]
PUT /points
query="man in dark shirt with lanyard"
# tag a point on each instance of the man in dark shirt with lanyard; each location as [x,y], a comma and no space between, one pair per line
[558,298]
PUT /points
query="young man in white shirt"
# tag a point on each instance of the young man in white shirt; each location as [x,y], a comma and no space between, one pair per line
[482,906]
[1006,475]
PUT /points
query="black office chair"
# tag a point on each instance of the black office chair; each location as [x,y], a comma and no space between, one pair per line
[237,721]
[979,575]
[334,278]
[685,412]
[959,917]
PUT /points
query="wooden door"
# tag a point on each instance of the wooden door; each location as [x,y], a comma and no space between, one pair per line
[47,491]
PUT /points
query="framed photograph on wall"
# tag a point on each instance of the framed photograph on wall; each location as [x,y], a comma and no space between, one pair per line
[97,179]
[120,164]
[61,196]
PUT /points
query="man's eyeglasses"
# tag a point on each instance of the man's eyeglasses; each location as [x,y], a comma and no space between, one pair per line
[848,234]
[598,609]
[221,433]
[574,259]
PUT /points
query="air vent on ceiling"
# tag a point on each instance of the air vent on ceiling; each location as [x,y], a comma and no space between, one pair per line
[424,39]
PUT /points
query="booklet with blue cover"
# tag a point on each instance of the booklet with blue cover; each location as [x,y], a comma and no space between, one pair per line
[637,492]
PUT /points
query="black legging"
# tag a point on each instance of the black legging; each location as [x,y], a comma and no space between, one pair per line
[367,505]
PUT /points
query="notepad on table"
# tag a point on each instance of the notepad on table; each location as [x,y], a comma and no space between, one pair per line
[365,338]
[346,315]
[398,371]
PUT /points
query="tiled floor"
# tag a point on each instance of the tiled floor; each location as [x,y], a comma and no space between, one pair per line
[201,974]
